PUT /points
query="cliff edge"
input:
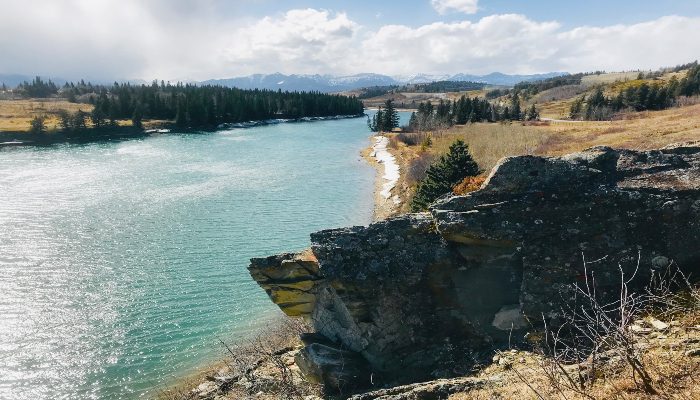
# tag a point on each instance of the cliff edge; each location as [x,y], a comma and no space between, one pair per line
[420,296]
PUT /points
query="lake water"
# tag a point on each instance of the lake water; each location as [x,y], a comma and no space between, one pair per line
[122,264]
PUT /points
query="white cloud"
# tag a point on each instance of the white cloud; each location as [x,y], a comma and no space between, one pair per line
[301,41]
[177,39]
[464,6]
[515,44]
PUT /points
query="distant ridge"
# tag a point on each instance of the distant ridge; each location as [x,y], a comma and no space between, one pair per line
[321,83]
[330,83]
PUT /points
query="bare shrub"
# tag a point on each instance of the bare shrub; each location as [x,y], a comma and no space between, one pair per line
[599,339]
[264,363]
[260,367]
[560,93]
[415,171]
[683,101]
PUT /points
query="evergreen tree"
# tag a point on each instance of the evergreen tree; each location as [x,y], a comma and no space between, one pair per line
[576,108]
[137,117]
[97,116]
[65,122]
[79,120]
[532,113]
[413,122]
[390,119]
[515,111]
[37,124]
[377,122]
[443,175]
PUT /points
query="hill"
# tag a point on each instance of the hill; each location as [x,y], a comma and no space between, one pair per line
[331,83]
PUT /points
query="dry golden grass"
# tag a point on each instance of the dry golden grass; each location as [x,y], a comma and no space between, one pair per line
[645,130]
[488,142]
[675,374]
[608,78]
[558,109]
[15,115]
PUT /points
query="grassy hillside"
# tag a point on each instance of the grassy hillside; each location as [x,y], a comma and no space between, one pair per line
[489,142]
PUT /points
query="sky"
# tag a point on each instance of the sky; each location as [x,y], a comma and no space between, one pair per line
[204,39]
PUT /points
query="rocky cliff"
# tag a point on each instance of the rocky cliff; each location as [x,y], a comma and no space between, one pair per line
[420,295]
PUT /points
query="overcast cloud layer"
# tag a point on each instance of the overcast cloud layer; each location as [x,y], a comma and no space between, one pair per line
[183,40]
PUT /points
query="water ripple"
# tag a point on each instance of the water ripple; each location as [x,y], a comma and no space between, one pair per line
[122,263]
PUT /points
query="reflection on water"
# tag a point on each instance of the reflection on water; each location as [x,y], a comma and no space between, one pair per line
[122,263]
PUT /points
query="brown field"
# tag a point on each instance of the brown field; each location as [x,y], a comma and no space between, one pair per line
[489,142]
[15,115]
[592,80]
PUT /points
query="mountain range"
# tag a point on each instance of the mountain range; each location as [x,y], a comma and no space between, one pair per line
[331,83]
[327,83]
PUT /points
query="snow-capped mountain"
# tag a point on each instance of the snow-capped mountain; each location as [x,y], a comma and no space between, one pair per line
[330,83]
[321,83]
[422,78]
[497,78]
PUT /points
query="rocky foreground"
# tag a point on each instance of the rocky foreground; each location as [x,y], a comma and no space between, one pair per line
[402,299]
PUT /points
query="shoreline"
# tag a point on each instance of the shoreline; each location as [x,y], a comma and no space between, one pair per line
[386,201]
[386,204]
[11,139]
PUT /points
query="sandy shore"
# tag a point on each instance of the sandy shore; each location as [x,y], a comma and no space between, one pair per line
[386,198]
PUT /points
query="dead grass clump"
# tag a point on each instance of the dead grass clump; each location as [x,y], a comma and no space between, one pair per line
[560,93]
[620,350]
[604,344]
[415,171]
[469,184]
[536,123]
[684,101]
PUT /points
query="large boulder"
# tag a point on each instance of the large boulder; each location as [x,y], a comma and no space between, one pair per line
[417,295]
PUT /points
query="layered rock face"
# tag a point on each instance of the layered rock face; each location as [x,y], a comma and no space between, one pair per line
[406,297]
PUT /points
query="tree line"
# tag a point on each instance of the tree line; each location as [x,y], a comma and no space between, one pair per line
[429,87]
[469,110]
[646,96]
[384,120]
[189,105]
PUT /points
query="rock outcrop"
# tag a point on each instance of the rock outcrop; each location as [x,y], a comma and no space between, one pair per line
[408,297]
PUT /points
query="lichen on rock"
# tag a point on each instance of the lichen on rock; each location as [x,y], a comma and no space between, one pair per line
[408,295]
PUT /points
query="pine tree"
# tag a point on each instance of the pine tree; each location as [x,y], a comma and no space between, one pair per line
[576,108]
[532,113]
[515,111]
[37,124]
[65,121]
[377,123]
[413,122]
[443,175]
[390,119]
[137,117]
[79,120]
[97,116]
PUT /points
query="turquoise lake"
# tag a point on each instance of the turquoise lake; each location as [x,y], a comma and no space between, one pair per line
[122,264]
